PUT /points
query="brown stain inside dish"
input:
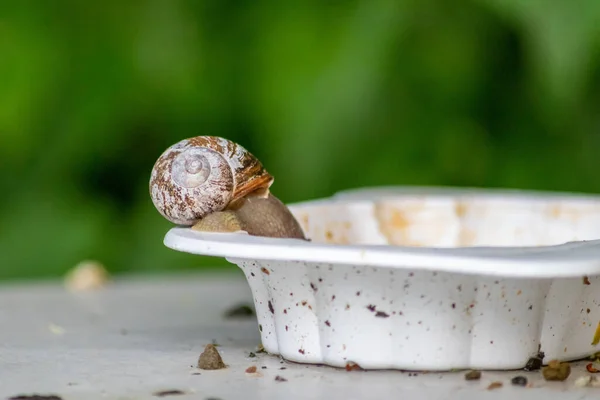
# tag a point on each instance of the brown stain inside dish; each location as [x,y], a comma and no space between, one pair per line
[330,232]
[554,211]
[465,237]
[399,220]
[460,209]
[417,224]
[395,223]
[338,232]
[570,212]
[304,222]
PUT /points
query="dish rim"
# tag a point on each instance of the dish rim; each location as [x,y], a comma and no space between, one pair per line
[567,260]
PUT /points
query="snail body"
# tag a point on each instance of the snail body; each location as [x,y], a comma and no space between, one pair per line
[257,215]
[214,184]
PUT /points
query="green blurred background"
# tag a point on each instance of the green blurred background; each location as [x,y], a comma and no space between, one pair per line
[329,95]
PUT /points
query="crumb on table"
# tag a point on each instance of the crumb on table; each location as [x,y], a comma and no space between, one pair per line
[165,393]
[473,375]
[556,371]
[239,311]
[85,276]
[210,358]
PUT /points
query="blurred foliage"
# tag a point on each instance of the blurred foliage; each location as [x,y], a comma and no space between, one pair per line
[328,94]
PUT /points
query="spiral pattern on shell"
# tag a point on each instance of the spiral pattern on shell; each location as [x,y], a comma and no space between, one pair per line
[201,175]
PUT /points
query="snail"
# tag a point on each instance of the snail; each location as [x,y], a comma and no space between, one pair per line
[212,184]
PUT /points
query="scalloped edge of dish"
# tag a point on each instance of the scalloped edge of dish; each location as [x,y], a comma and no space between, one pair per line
[569,260]
[417,320]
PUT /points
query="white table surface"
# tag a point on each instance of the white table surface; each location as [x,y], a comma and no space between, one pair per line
[136,337]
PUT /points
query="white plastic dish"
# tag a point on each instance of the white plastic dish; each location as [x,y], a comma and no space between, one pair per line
[424,278]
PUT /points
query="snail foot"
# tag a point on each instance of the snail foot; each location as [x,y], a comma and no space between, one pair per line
[219,221]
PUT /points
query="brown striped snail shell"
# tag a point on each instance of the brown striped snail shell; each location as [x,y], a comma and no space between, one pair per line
[201,175]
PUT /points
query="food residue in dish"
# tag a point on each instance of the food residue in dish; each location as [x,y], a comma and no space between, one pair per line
[495,385]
